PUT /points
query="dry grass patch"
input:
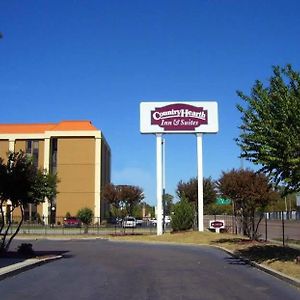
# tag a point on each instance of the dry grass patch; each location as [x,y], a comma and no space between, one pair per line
[190,237]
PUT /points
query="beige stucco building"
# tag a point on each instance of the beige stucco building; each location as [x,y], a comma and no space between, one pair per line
[76,150]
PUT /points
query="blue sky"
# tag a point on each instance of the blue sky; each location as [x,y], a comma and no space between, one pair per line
[97,60]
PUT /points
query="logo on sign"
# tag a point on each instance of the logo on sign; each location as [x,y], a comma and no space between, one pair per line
[216,224]
[179,117]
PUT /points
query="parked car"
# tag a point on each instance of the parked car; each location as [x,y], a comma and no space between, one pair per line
[129,222]
[167,220]
[72,222]
[139,222]
[153,221]
[114,220]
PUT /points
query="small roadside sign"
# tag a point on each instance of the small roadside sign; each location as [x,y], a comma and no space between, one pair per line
[217,225]
[223,201]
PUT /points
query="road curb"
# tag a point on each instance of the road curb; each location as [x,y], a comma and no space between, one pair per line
[25,265]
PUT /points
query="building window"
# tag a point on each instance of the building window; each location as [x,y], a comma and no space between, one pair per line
[32,148]
[28,147]
[53,156]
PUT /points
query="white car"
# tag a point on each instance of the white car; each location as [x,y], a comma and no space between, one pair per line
[139,222]
[153,222]
[167,221]
[129,222]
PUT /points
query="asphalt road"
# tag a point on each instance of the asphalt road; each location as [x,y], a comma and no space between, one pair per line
[99,269]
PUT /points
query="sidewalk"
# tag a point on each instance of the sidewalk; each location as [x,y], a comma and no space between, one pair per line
[12,266]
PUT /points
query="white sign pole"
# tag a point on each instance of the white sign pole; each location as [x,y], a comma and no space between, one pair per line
[200,181]
[159,181]
[163,181]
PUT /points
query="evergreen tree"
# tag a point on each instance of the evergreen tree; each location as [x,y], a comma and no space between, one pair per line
[183,217]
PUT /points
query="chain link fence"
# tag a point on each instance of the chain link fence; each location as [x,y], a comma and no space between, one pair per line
[73,226]
[281,226]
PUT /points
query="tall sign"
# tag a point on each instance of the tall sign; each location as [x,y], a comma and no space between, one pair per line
[178,117]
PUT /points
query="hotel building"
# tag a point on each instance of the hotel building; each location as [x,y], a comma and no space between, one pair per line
[76,151]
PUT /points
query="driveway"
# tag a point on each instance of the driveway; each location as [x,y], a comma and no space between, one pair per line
[100,269]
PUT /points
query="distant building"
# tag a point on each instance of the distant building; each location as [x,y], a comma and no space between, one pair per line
[76,151]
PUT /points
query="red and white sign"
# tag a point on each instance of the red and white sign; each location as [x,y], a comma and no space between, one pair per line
[216,224]
[179,117]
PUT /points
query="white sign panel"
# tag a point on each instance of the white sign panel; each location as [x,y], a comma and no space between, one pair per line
[179,117]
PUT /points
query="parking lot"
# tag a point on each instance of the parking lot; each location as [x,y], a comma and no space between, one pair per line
[101,269]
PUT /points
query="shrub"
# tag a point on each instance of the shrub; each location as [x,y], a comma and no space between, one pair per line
[85,215]
[25,249]
[183,217]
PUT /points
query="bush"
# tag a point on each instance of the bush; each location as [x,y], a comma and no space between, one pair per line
[25,249]
[85,215]
[183,217]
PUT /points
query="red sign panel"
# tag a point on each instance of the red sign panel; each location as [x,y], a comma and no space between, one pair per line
[179,117]
[217,224]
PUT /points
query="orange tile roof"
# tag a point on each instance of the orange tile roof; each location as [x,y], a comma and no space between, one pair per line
[41,128]
[25,128]
[73,125]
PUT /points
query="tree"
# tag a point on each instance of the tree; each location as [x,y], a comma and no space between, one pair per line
[111,196]
[85,215]
[168,204]
[250,193]
[51,192]
[130,196]
[183,217]
[20,184]
[122,198]
[271,125]
[190,190]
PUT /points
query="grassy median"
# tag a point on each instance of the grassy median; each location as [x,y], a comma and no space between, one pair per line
[277,257]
